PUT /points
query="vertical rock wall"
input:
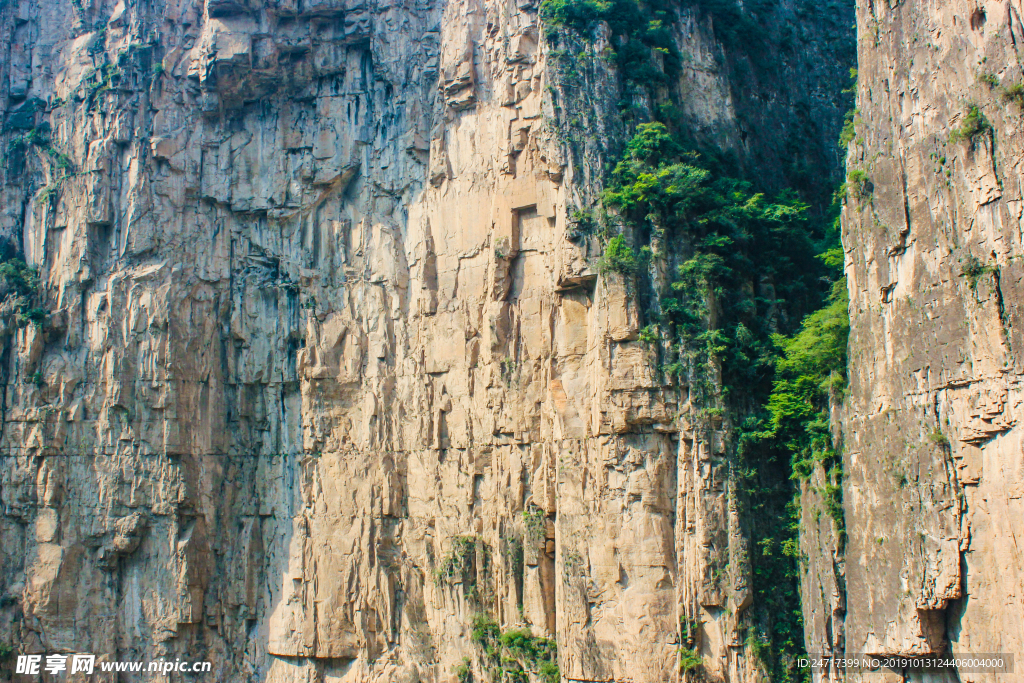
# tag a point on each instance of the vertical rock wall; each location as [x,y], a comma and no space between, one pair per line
[932,233]
[318,315]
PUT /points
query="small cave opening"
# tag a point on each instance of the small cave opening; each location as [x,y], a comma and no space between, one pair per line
[977,18]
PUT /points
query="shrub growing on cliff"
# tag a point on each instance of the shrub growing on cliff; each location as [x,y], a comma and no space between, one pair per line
[523,645]
[974,125]
[521,650]
[974,269]
[18,278]
[513,653]
[618,257]
[535,522]
[648,335]
[656,175]
[652,144]
[689,660]
[849,131]
[1014,93]
[35,316]
[642,46]
[19,287]
[578,15]
[462,672]
[737,239]
[746,272]
[858,182]
[810,374]
[485,632]
[460,565]
[989,79]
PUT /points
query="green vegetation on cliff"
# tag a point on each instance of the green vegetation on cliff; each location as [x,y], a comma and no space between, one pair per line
[810,375]
[974,125]
[512,656]
[754,323]
[466,564]
[731,250]
[743,262]
[19,287]
[646,22]
[791,436]
[640,28]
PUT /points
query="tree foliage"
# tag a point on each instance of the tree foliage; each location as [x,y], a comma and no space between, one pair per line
[618,257]
[754,323]
[810,374]
[514,654]
[19,287]
[749,258]
[640,30]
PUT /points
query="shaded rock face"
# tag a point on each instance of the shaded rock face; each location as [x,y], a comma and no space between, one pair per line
[932,234]
[314,317]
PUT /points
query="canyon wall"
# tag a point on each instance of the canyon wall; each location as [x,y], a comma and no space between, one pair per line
[326,370]
[932,234]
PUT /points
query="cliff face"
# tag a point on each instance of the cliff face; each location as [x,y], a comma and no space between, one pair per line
[325,369]
[932,234]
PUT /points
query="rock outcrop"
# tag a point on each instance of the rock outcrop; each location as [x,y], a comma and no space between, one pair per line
[327,369]
[933,453]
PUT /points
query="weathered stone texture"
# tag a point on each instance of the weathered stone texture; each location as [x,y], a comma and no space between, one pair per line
[933,452]
[315,315]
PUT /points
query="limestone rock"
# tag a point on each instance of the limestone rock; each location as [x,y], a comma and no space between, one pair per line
[319,309]
[933,455]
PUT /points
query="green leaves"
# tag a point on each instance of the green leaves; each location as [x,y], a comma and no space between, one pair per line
[749,257]
[19,279]
[535,523]
[619,258]
[462,671]
[575,14]
[816,355]
[485,633]
[651,179]
[652,142]
[21,284]
[1014,93]
[975,125]
[849,132]
[689,660]
[703,273]
[460,565]
[738,238]
[515,652]
[809,375]
[755,323]
[974,269]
